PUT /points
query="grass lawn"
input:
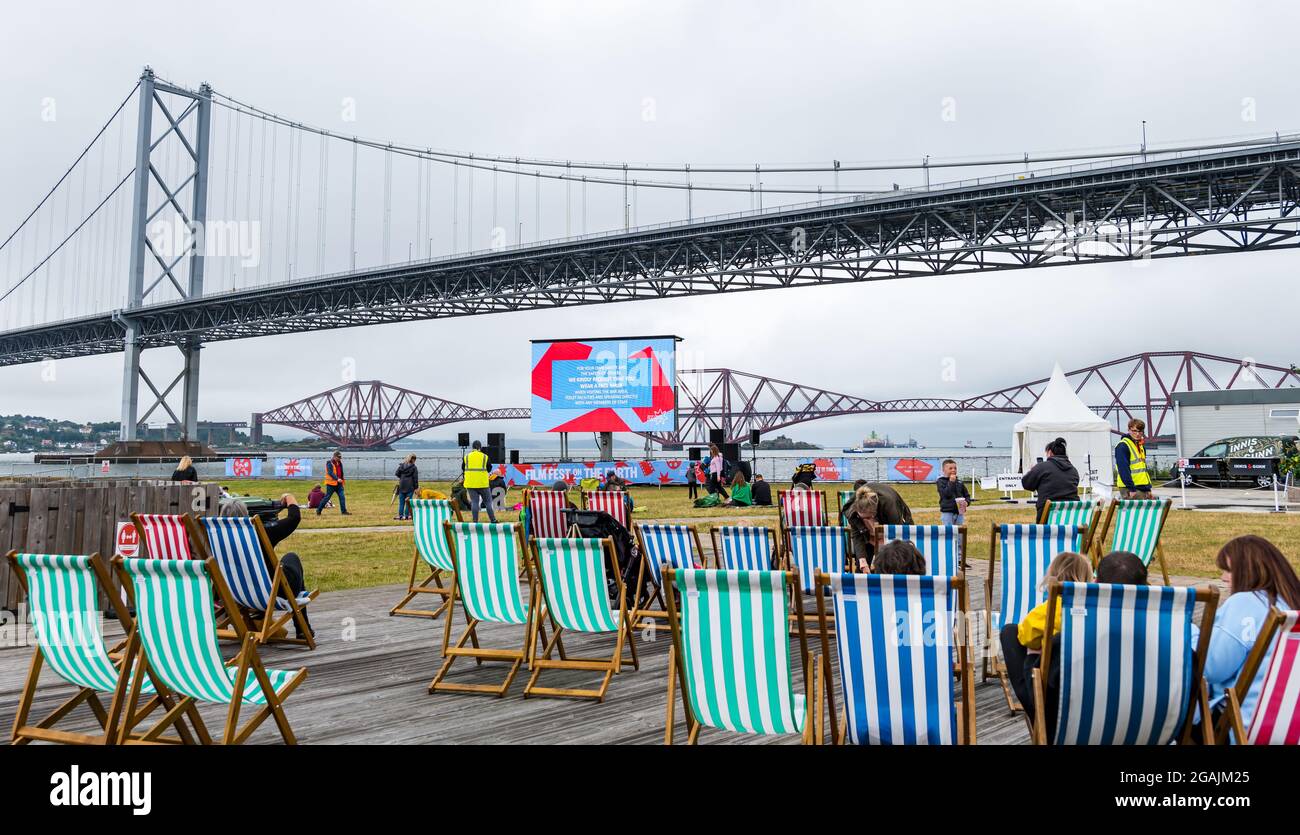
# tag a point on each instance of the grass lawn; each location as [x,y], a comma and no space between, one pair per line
[337,558]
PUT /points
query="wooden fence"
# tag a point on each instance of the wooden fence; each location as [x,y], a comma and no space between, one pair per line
[49,516]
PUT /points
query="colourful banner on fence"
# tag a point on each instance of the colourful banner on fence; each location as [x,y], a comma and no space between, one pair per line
[293,468]
[828,469]
[244,467]
[660,471]
[914,469]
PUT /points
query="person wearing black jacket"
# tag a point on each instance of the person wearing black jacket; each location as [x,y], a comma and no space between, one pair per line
[185,470]
[1054,478]
[953,496]
[408,481]
[762,491]
[278,530]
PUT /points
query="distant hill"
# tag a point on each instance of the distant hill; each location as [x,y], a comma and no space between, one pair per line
[782,442]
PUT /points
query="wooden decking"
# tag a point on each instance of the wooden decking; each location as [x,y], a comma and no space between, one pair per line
[368,679]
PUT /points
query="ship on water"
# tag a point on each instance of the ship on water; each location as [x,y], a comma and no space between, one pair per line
[875,442]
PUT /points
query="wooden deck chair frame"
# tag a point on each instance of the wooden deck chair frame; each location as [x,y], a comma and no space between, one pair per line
[110,720]
[414,590]
[647,618]
[265,624]
[677,674]
[1232,720]
[246,662]
[1199,691]
[1099,541]
[825,690]
[516,658]
[994,665]
[782,528]
[773,545]
[1086,540]
[543,650]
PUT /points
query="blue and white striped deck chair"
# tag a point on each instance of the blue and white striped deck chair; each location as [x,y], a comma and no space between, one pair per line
[63,608]
[177,628]
[432,552]
[1129,675]
[489,559]
[731,653]
[943,546]
[895,665]
[743,548]
[1138,524]
[1024,552]
[1076,513]
[242,549]
[816,550]
[574,575]
[675,545]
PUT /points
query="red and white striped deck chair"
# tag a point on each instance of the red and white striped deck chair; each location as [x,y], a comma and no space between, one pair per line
[800,509]
[1276,720]
[169,536]
[613,502]
[546,514]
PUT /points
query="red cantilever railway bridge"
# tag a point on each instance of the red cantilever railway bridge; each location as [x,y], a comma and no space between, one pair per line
[372,415]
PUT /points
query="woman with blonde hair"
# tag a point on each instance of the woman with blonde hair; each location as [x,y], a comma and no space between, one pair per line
[1022,643]
[185,470]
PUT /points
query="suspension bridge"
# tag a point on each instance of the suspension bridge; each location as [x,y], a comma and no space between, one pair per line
[372,415]
[194,217]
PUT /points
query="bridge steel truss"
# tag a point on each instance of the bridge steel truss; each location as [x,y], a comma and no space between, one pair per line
[1203,204]
[372,415]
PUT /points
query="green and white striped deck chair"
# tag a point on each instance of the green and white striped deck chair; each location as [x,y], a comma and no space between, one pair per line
[845,498]
[731,652]
[489,560]
[178,640]
[1074,513]
[63,608]
[1138,524]
[574,575]
[433,553]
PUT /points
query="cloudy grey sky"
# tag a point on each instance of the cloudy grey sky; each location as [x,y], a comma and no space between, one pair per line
[724,82]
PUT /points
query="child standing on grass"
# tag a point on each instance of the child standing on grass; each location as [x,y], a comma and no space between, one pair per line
[953,497]
[692,481]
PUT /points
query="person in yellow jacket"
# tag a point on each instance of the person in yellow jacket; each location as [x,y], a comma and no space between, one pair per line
[1131,474]
[477,468]
[1022,643]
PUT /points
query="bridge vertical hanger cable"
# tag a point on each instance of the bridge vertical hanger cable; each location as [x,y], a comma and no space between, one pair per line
[537,205]
[352,223]
[322,208]
[428,209]
[455,208]
[269,225]
[297,206]
[495,224]
[568,225]
[261,198]
[388,207]
[518,230]
[469,216]
[419,208]
[584,205]
[234,195]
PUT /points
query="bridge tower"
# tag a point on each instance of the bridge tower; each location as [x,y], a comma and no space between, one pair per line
[156,202]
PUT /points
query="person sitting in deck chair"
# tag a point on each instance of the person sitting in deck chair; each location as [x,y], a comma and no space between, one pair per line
[898,556]
[278,530]
[1022,643]
[1122,567]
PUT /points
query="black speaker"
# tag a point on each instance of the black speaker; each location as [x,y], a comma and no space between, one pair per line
[462,439]
[731,452]
[716,437]
[694,454]
[755,436]
[495,454]
[496,439]
[514,456]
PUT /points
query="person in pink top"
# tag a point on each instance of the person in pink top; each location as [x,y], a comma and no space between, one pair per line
[716,466]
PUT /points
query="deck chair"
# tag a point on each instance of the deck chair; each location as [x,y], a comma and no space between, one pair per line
[731,653]
[242,550]
[489,559]
[845,498]
[943,546]
[1138,523]
[1080,513]
[63,605]
[1129,675]
[816,550]
[546,513]
[799,509]
[574,577]
[1276,720]
[743,548]
[178,640]
[431,551]
[612,502]
[1023,552]
[898,683]
[172,536]
[674,545]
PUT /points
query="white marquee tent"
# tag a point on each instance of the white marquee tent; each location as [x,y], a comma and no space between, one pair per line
[1060,413]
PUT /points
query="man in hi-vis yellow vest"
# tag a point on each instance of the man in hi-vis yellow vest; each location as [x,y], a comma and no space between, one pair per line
[1131,474]
[476,467]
